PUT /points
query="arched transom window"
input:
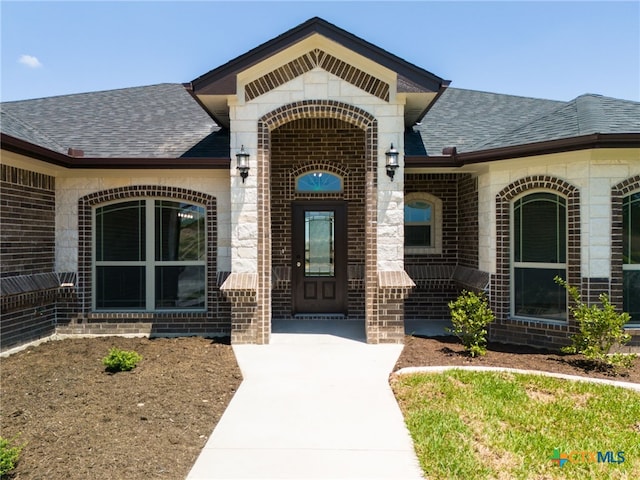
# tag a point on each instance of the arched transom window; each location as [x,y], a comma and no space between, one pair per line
[319,181]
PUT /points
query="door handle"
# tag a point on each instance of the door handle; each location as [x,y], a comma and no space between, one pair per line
[298,264]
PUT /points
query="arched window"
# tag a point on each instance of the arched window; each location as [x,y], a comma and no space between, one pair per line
[631,256]
[318,181]
[418,223]
[149,255]
[539,253]
[422,224]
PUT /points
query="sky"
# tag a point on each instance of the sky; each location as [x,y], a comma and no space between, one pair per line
[555,50]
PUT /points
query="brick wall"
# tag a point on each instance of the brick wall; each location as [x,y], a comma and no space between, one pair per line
[299,147]
[468,221]
[27,235]
[27,215]
[433,273]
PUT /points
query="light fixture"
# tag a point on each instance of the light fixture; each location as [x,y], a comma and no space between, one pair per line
[392,161]
[243,163]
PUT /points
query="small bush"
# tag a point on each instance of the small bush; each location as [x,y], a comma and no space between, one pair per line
[8,455]
[121,360]
[601,327]
[470,314]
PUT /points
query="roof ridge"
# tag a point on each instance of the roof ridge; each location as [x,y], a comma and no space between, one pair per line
[32,129]
[93,92]
[506,95]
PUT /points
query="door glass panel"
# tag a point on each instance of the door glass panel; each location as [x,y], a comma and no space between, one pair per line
[319,244]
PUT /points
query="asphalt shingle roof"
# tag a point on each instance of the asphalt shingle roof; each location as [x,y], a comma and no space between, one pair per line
[164,121]
[158,121]
[467,119]
[474,121]
[585,115]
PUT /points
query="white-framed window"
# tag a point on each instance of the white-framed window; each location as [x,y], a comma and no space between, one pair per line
[422,223]
[539,253]
[631,256]
[149,255]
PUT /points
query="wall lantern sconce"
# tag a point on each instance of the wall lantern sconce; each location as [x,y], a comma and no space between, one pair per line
[392,161]
[243,163]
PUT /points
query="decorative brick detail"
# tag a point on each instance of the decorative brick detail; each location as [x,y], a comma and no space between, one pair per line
[531,332]
[309,61]
[320,111]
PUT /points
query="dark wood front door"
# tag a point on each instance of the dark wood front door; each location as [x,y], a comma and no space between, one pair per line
[319,270]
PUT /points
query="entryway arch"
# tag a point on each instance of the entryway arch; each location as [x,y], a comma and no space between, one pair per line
[318,110]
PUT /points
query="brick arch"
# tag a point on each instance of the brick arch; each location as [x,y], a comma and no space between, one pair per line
[85,231]
[501,281]
[327,166]
[269,122]
[618,192]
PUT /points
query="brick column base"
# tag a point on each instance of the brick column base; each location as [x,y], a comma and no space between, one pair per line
[393,289]
[240,290]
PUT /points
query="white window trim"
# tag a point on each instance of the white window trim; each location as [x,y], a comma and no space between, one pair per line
[436,223]
[149,264]
[513,265]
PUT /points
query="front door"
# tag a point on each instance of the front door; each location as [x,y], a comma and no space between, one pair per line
[319,270]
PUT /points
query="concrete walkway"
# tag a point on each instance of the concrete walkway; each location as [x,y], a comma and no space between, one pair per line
[311,406]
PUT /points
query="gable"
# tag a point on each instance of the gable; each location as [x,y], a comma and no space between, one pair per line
[317,44]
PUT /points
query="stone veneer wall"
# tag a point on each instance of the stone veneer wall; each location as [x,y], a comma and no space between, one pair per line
[302,146]
[28,286]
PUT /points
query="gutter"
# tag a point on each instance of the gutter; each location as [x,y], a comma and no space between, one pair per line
[451,158]
[76,159]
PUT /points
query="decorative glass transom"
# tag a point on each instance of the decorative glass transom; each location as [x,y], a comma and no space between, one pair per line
[319,182]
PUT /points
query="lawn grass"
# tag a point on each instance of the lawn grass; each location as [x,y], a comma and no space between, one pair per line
[485,425]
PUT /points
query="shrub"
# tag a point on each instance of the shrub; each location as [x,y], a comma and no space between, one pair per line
[121,360]
[470,314]
[8,455]
[600,328]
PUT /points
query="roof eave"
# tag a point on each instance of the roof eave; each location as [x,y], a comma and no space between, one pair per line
[36,152]
[585,142]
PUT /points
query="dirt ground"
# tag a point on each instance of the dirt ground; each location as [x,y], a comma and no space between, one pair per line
[449,351]
[79,422]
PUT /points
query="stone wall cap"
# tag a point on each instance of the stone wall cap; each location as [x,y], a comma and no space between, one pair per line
[395,279]
[240,281]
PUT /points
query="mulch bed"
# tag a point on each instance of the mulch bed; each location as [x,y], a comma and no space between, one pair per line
[437,351]
[80,422]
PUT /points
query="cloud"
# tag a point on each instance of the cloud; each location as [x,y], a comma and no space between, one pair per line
[30,61]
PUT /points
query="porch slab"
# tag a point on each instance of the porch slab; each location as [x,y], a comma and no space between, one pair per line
[311,406]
